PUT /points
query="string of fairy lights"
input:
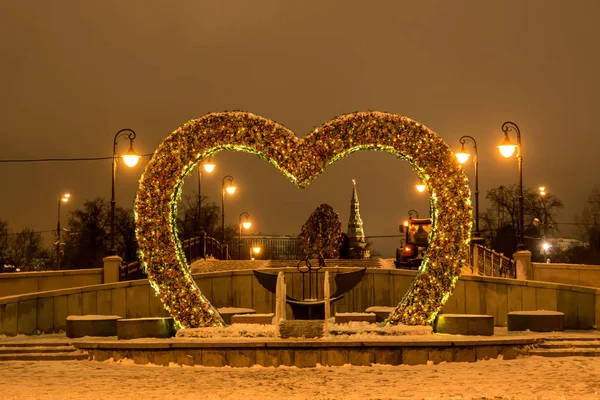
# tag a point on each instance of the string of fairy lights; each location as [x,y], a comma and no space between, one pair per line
[301,161]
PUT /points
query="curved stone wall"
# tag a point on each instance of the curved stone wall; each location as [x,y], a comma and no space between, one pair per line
[47,311]
[14,283]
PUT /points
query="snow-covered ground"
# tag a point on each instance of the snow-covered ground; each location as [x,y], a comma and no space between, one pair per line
[523,378]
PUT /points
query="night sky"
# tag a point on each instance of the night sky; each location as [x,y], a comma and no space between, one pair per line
[74,73]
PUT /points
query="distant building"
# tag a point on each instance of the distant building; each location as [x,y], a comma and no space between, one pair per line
[357,245]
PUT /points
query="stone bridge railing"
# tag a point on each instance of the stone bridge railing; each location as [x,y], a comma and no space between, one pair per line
[47,311]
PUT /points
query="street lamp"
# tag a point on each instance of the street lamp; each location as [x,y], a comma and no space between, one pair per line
[246,224]
[507,149]
[62,199]
[130,158]
[542,192]
[208,167]
[463,157]
[410,213]
[420,186]
[255,249]
[546,246]
[231,190]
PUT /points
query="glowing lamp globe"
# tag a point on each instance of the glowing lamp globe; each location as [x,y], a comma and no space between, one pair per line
[65,197]
[256,250]
[462,157]
[420,187]
[507,148]
[546,246]
[230,189]
[209,167]
[131,158]
[247,224]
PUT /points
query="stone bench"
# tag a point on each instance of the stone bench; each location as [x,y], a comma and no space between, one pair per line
[381,312]
[136,328]
[464,324]
[91,325]
[228,312]
[344,318]
[260,319]
[536,321]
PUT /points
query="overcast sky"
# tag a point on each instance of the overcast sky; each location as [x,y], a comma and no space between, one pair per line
[73,73]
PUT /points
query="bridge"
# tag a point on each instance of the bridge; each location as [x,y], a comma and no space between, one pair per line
[35,302]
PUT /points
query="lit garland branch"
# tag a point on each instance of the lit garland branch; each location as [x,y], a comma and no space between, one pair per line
[301,160]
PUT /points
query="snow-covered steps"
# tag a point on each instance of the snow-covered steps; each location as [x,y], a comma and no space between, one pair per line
[567,347]
[40,352]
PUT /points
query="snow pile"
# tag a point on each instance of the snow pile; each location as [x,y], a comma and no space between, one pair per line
[362,330]
[352,330]
[214,265]
[231,331]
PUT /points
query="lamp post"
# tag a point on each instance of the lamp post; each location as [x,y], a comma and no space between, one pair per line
[246,224]
[507,149]
[208,167]
[130,158]
[542,192]
[463,157]
[231,190]
[62,199]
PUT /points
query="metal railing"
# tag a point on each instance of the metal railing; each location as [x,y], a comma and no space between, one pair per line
[193,249]
[131,271]
[487,262]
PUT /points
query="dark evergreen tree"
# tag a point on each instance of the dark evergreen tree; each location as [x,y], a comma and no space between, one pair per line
[345,247]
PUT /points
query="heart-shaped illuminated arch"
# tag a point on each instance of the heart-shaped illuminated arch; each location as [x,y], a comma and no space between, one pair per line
[301,160]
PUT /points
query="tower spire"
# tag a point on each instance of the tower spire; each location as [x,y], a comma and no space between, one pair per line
[356,234]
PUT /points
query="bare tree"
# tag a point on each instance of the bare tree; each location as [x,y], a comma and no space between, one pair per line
[26,250]
[589,227]
[187,218]
[125,234]
[89,240]
[501,219]
[4,242]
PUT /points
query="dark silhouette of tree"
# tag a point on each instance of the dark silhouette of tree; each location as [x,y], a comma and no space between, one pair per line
[589,228]
[4,243]
[26,250]
[321,234]
[501,219]
[125,239]
[89,239]
[22,250]
[188,223]
[345,247]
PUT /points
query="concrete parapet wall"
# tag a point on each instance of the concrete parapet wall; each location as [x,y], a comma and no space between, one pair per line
[15,283]
[47,311]
[570,274]
[306,354]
